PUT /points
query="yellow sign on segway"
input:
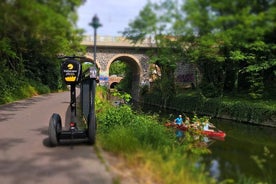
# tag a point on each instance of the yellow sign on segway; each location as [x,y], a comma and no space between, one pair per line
[71,70]
[70,66]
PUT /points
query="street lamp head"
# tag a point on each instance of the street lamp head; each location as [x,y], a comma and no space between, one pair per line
[95,22]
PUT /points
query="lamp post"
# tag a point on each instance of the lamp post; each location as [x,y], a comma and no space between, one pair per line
[95,24]
[93,75]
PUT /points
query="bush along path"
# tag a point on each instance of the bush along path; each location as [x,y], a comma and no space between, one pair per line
[145,149]
[149,148]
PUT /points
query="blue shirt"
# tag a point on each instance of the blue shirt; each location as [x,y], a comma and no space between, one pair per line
[178,121]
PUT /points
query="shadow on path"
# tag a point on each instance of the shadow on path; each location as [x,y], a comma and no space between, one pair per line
[9,110]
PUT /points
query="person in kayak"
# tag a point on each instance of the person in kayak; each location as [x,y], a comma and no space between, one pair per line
[207,126]
[179,121]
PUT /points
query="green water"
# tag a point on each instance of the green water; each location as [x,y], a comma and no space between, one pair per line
[232,158]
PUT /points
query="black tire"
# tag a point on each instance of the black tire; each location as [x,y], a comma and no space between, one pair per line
[54,130]
[92,126]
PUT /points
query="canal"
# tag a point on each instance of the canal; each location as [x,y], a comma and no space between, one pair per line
[247,155]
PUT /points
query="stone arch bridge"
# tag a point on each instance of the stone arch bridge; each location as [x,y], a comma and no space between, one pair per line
[110,49]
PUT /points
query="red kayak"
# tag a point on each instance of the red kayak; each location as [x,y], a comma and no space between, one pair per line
[214,134]
[219,135]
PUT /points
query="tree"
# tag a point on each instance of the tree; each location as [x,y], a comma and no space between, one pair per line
[232,42]
[32,36]
[122,69]
[118,68]
[230,37]
[156,20]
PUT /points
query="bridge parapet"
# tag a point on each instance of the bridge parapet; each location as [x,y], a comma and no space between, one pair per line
[117,41]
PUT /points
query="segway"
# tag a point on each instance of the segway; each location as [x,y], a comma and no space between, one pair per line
[72,75]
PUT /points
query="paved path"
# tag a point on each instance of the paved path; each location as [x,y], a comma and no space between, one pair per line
[25,157]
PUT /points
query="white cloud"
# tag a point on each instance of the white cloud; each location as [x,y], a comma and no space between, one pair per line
[114,15]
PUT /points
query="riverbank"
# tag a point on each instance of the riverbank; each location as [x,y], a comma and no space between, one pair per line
[257,112]
[144,150]
[140,150]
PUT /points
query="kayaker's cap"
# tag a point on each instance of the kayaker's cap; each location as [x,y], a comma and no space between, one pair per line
[180,116]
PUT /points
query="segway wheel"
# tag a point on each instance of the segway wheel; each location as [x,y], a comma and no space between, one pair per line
[54,129]
[91,132]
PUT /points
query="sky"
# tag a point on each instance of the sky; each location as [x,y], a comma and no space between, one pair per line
[114,15]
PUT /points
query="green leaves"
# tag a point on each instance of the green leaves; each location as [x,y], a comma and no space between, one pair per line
[6,49]
[32,36]
[143,25]
[118,68]
[232,35]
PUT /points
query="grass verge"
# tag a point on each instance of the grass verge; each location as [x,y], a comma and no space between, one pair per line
[147,147]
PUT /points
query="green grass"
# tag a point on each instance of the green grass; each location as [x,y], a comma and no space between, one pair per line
[149,148]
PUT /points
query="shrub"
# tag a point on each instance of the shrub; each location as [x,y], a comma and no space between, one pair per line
[239,109]
[144,128]
[147,145]
[15,87]
[119,139]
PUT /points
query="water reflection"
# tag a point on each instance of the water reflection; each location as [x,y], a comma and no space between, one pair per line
[214,169]
[234,155]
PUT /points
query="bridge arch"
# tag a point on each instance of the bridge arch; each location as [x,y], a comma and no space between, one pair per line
[137,71]
[111,48]
[98,65]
